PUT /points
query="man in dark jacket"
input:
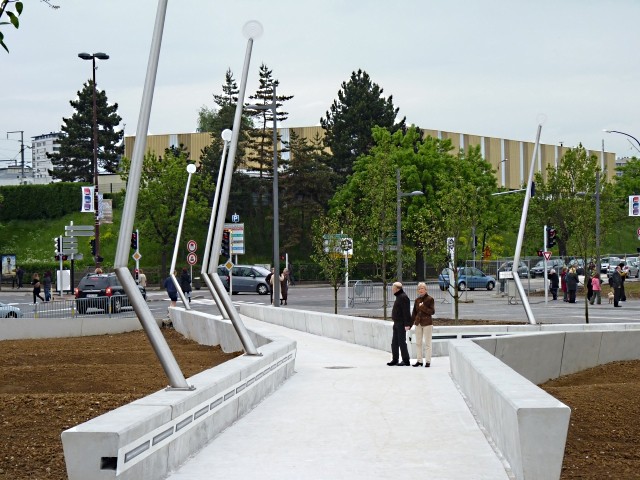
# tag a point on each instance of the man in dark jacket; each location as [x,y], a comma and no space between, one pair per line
[401,315]
[554,282]
[616,283]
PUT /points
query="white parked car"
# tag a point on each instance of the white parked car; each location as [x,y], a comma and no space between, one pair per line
[9,311]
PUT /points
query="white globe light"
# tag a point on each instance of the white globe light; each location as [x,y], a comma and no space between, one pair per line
[226,135]
[191,168]
[252,29]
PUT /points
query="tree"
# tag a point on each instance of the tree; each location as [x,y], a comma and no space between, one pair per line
[458,195]
[565,200]
[162,185]
[359,107]
[367,202]
[13,16]
[328,253]
[74,161]
[306,190]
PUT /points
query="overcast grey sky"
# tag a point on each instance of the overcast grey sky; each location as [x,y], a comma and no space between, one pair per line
[486,68]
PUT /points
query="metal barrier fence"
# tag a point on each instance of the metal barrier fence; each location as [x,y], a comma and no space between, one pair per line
[117,305]
[367,292]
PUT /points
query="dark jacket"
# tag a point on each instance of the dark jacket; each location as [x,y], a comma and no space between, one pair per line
[553,280]
[572,281]
[170,286]
[401,312]
[616,279]
[185,281]
[423,309]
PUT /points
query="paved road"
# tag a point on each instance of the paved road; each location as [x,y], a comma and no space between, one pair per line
[479,304]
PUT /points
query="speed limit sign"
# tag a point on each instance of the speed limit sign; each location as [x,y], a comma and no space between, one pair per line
[192,258]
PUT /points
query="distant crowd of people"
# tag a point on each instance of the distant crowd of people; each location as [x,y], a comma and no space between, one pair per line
[568,281]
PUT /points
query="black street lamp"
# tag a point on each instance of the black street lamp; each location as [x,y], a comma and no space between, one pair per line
[622,133]
[92,57]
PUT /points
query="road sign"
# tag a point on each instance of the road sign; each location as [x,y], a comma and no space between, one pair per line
[237,237]
[547,255]
[192,246]
[136,256]
[235,218]
[192,258]
[229,265]
[79,230]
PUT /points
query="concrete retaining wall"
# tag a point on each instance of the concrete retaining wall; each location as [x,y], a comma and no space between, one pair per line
[550,355]
[528,425]
[18,328]
[152,436]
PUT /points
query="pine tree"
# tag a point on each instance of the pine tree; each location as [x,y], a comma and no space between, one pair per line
[307,187]
[74,161]
[262,135]
[360,107]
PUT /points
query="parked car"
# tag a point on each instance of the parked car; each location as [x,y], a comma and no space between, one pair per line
[102,291]
[630,266]
[606,261]
[578,263]
[523,269]
[9,311]
[468,277]
[246,278]
[555,263]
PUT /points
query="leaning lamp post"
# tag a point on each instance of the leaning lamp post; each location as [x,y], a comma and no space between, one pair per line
[273,106]
[92,57]
[399,197]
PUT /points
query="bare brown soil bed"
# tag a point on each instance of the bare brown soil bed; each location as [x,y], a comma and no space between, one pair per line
[51,385]
[604,430]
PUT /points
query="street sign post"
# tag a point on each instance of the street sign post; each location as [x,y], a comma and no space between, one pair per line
[547,255]
[79,230]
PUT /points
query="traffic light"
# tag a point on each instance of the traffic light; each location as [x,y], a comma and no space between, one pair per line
[136,274]
[225,250]
[92,242]
[134,240]
[57,245]
[551,237]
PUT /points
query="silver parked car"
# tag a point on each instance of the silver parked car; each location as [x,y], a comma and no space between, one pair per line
[246,278]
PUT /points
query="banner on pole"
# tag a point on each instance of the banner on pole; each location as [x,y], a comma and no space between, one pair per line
[87,200]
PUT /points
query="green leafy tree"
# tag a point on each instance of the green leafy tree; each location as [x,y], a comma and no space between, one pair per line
[162,189]
[359,107]
[306,191]
[565,200]
[368,202]
[327,253]
[459,194]
[74,161]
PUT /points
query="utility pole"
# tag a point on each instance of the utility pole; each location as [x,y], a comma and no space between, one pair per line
[21,132]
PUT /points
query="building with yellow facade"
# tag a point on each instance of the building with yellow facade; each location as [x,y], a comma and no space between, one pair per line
[510,159]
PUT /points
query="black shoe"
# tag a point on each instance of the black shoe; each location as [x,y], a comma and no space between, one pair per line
[427,365]
[392,363]
[404,364]
[618,306]
[417,364]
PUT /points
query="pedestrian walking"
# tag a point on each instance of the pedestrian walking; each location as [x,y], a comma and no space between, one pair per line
[571,280]
[142,279]
[35,282]
[269,280]
[46,284]
[20,276]
[597,289]
[284,286]
[172,291]
[185,283]
[616,284]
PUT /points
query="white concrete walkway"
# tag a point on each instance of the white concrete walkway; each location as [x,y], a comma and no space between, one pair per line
[346,415]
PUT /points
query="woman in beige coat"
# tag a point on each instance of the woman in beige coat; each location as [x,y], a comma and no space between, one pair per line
[423,309]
